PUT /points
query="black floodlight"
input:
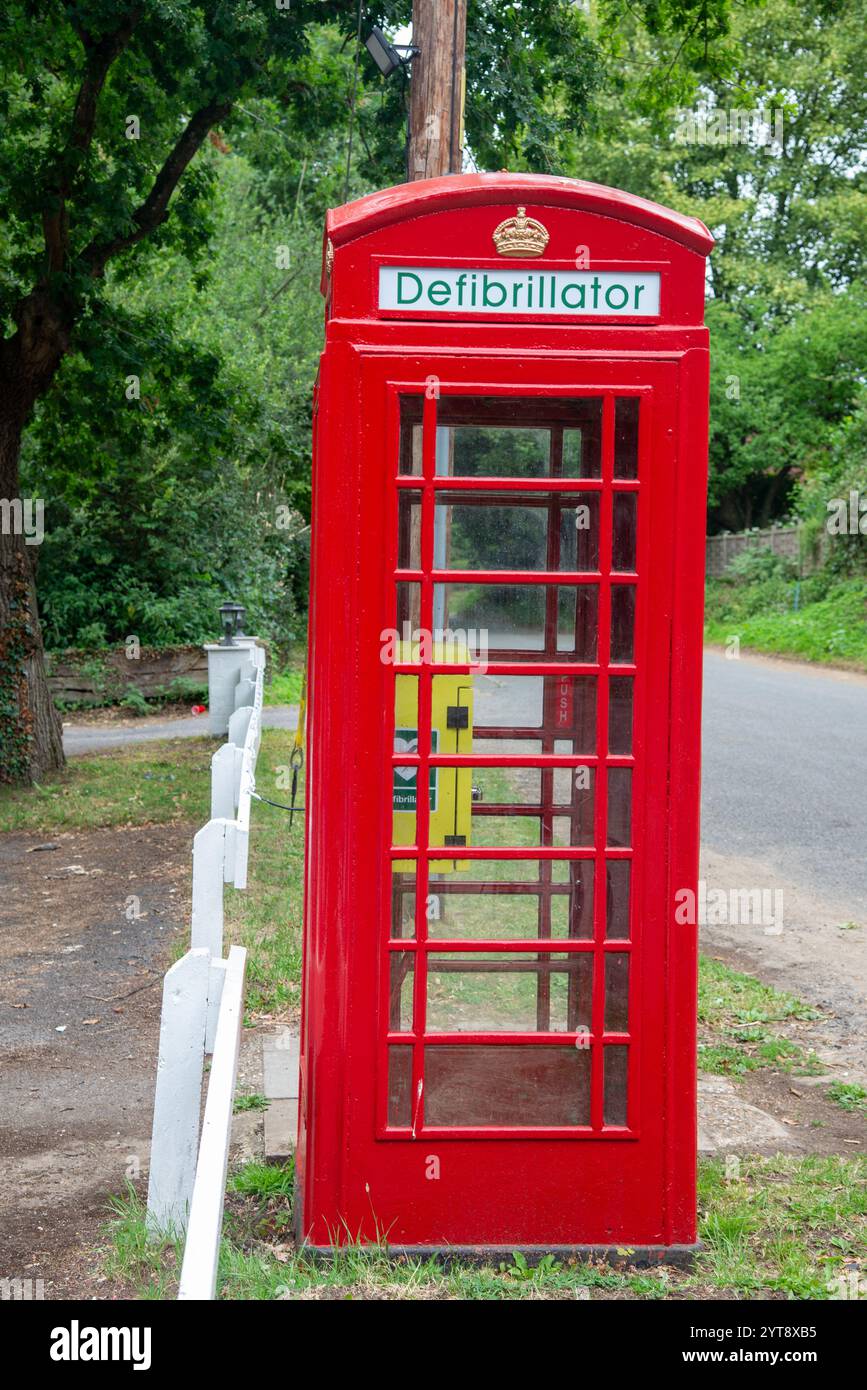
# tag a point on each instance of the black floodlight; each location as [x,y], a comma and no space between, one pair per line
[388,56]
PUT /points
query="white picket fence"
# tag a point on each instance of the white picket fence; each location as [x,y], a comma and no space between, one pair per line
[203,1008]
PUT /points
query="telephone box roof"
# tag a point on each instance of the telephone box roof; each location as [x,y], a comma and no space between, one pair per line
[408,200]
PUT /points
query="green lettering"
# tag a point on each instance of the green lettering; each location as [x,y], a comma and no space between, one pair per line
[407,275]
[497,285]
[439,292]
[571,304]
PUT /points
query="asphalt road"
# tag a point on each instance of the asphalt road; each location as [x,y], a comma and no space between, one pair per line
[784,776]
[90,738]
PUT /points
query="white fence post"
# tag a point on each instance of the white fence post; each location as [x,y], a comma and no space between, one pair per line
[239,723]
[178,1097]
[202,1249]
[223,777]
[209,848]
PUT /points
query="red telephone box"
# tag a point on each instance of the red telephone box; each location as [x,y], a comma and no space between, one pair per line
[498,1031]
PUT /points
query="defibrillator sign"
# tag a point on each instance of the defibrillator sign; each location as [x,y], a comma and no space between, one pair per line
[406,778]
[552,293]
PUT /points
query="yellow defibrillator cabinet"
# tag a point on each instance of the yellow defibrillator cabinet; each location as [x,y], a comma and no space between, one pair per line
[451,788]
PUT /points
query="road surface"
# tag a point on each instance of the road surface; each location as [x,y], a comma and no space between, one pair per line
[784,776]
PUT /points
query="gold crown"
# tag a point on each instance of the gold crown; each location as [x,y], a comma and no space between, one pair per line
[521,236]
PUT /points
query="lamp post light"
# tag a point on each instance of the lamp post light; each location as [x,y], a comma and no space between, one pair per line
[231,617]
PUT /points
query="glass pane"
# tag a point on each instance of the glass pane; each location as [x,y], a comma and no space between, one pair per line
[620,807]
[509,437]
[411,434]
[617,992]
[498,992]
[507,1085]
[626,437]
[625,531]
[508,702]
[620,715]
[402,968]
[403,903]
[516,622]
[617,900]
[408,530]
[560,806]
[403,799]
[623,624]
[517,899]
[511,531]
[407,619]
[400,1086]
[615,1082]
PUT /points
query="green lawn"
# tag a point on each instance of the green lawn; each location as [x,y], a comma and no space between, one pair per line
[734,1014]
[142,784]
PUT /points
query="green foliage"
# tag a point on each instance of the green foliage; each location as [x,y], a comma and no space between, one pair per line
[848,1095]
[831,629]
[787,313]
[134,701]
[830,499]
[250,1102]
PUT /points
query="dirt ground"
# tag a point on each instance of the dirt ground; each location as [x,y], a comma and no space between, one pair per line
[87,929]
[819,956]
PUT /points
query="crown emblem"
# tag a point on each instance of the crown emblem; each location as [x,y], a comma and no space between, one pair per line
[521,236]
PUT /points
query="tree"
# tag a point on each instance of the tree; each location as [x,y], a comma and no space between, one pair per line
[103,114]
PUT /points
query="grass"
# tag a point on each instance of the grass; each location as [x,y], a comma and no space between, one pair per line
[161,782]
[140,784]
[284,688]
[734,1014]
[250,1102]
[778,1226]
[848,1095]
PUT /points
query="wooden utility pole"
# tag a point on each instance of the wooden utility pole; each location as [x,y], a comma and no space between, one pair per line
[439,29]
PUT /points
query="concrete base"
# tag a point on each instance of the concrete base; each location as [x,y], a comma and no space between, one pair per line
[617,1256]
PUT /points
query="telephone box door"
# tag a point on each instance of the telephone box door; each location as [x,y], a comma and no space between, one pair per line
[510,1030]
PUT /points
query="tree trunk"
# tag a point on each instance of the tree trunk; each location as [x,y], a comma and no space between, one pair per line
[30,730]
[436,90]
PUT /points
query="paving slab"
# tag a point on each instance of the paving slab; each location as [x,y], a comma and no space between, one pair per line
[280,1057]
[729,1124]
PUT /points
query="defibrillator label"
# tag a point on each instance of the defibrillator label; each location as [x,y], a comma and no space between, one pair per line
[557,293]
[406,778]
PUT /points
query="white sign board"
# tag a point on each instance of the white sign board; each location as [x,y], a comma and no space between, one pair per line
[553,293]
